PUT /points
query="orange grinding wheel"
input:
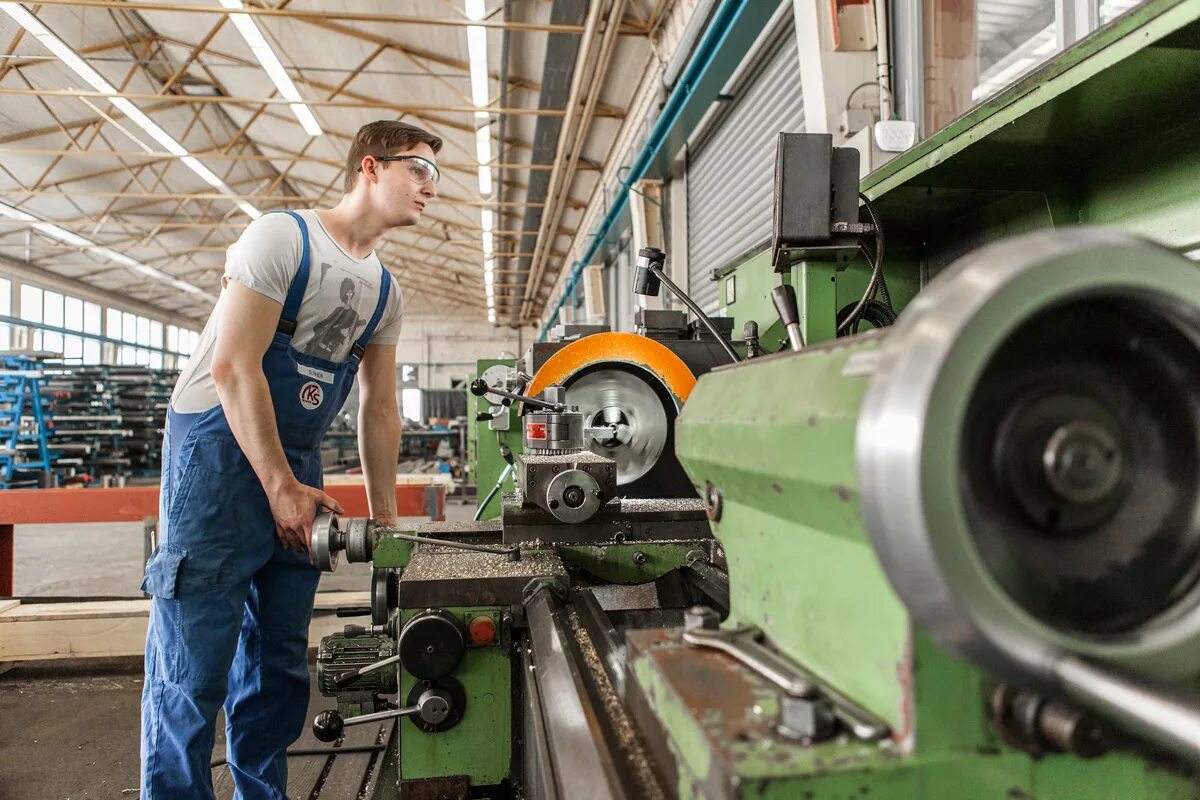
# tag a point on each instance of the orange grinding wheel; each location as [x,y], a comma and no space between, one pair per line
[616,348]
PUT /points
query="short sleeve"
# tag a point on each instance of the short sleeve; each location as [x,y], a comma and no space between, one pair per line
[388,331]
[266,256]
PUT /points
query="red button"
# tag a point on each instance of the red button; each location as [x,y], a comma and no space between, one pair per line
[483,630]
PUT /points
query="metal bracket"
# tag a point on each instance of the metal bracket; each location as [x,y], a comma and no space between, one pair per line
[744,645]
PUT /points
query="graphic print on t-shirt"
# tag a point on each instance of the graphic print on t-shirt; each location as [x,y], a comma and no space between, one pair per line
[341,325]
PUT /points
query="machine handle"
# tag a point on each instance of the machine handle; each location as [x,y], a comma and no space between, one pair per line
[353,611]
[479,388]
[784,299]
[347,678]
[433,706]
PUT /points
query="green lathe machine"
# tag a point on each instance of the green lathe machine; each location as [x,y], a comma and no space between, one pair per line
[940,530]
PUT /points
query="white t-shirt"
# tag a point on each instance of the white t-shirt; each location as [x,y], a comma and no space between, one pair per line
[338,302]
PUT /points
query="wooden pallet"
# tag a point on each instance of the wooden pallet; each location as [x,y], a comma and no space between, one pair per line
[44,631]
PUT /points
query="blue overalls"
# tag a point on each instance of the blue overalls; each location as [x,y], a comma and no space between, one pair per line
[231,607]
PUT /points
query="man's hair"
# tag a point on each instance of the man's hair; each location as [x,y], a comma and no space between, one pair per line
[384,138]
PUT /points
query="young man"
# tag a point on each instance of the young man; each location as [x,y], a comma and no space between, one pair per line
[304,302]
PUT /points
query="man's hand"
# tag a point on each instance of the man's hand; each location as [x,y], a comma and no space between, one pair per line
[294,507]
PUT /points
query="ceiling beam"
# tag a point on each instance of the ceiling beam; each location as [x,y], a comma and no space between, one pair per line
[437,58]
[273,198]
[347,16]
[216,155]
[400,108]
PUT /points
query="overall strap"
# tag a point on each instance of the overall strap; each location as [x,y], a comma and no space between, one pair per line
[360,346]
[291,304]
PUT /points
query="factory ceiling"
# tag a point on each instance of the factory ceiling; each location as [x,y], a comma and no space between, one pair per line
[137,139]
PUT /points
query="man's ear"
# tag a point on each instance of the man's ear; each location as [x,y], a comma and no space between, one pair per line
[369,165]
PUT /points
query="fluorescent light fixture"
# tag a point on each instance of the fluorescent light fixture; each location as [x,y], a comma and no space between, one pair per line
[75,240]
[265,54]
[478,62]
[84,70]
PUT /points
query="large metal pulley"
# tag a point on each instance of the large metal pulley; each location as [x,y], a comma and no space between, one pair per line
[1028,456]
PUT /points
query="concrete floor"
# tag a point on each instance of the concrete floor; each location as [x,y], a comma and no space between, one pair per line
[69,730]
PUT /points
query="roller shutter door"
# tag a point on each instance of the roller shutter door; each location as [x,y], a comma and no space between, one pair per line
[730,176]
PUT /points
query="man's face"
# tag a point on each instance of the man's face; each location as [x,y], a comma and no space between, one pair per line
[399,192]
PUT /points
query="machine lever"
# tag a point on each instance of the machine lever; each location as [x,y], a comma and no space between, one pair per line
[511,553]
[648,277]
[347,678]
[742,644]
[784,298]
[794,680]
[479,388]
[353,611]
[433,706]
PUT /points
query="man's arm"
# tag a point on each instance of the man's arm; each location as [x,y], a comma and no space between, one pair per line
[379,429]
[244,332]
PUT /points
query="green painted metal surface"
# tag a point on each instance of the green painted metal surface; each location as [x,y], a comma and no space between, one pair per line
[954,755]
[1100,134]
[485,459]
[480,746]
[619,563]
[389,552]
[800,564]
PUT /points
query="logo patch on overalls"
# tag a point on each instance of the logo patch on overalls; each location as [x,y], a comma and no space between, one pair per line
[311,395]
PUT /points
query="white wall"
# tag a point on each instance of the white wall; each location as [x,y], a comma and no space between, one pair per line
[442,349]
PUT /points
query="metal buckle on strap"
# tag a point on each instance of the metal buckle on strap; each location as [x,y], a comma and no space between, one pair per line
[358,350]
[286,326]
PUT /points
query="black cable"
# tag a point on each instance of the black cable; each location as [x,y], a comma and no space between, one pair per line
[876,262]
[875,312]
[884,294]
[319,751]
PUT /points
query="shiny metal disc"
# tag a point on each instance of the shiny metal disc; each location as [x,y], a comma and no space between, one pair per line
[998,559]
[622,397]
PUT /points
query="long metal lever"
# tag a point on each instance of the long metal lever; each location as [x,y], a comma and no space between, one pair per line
[432,706]
[510,553]
[479,388]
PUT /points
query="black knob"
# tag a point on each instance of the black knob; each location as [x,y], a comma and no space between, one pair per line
[479,387]
[354,630]
[483,416]
[328,726]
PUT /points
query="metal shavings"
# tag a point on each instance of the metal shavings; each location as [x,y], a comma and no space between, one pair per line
[433,562]
[627,739]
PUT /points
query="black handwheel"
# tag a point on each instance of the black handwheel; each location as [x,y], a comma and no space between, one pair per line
[328,726]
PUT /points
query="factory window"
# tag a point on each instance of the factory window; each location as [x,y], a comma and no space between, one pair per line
[6,311]
[73,313]
[91,318]
[410,404]
[31,310]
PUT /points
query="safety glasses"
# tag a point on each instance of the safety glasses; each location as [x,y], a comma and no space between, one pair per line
[420,167]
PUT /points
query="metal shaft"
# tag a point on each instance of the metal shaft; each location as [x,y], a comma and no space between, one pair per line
[1162,714]
[380,716]
[513,553]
